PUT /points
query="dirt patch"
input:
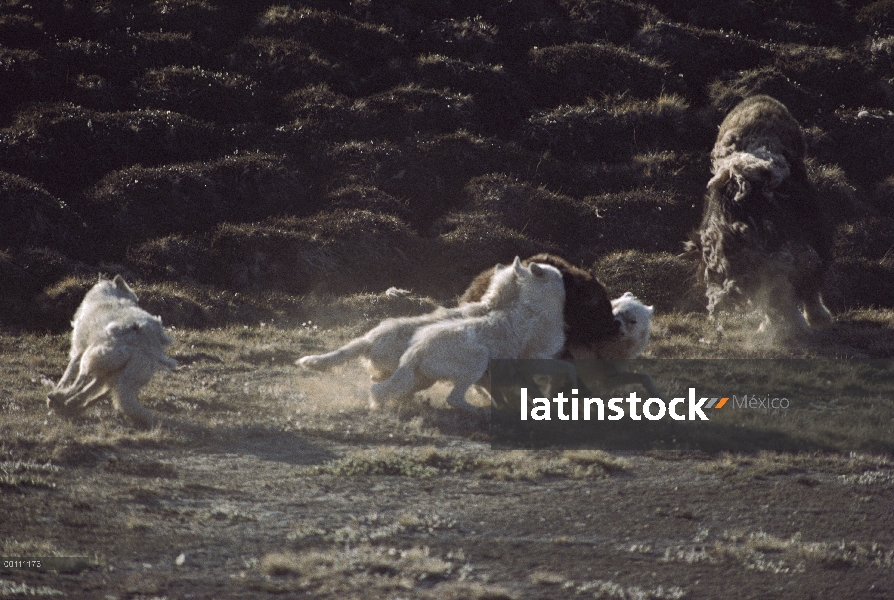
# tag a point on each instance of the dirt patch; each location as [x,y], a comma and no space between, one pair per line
[267,480]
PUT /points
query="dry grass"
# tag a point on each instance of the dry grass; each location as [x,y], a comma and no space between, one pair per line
[767,553]
[852,466]
[427,462]
[353,570]
[201,119]
[237,392]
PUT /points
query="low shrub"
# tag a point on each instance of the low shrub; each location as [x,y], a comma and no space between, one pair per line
[573,73]
[137,204]
[660,279]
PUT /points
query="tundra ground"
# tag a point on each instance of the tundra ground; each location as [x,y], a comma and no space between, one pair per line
[267,480]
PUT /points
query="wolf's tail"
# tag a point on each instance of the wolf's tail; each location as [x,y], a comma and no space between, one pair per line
[321,362]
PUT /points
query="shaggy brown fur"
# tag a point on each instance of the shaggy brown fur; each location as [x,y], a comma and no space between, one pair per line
[764,238]
[588,309]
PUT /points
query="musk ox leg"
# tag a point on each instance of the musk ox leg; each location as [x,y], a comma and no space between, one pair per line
[817,314]
[785,318]
[719,298]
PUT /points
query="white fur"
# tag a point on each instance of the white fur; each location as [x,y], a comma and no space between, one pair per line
[636,323]
[115,347]
[458,350]
[383,346]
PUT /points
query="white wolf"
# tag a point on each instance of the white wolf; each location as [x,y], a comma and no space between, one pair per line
[383,346]
[458,350]
[115,347]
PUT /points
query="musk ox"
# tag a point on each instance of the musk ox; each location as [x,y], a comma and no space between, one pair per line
[116,347]
[587,313]
[611,370]
[764,238]
[459,350]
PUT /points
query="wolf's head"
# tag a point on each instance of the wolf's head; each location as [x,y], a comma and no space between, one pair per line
[114,288]
[543,287]
[505,285]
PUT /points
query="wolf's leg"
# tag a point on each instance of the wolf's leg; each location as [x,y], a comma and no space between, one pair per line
[465,377]
[126,402]
[98,365]
[88,397]
[643,379]
[402,384]
[73,365]
[57,396]
[81,394]
[457,396]
[129,382]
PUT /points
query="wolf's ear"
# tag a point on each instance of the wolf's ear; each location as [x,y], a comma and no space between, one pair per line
[122,285]
[516,264]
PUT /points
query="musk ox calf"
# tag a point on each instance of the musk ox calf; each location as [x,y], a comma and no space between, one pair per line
[612,370]
[764,239]
[587,312]
[635,319]
[116,347]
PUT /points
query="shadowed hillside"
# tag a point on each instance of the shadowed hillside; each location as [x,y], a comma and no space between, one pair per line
[232,157]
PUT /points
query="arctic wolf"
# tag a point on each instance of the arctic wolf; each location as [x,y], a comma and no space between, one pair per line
[588,310]
[458,350]
[116,347]
[382,347]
